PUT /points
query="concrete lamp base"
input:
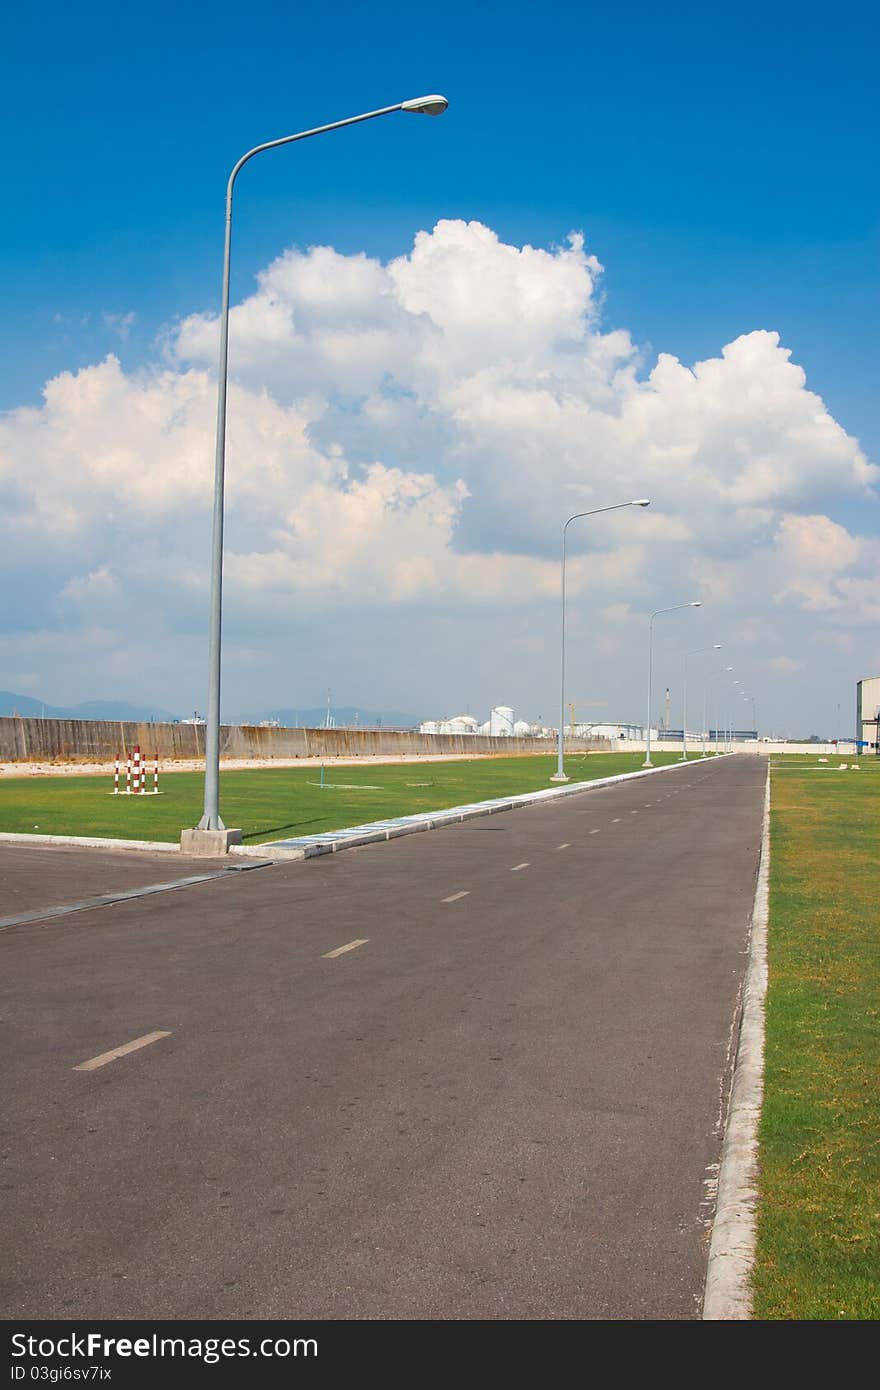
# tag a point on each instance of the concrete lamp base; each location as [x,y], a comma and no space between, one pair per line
[559,777]
[208,842]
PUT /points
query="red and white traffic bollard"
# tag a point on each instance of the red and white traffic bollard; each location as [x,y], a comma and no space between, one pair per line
[128,776]
[116,777]
[155,774]
[137,769]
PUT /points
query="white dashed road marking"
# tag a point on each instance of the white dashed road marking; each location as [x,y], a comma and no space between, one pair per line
[341,950]
[594,832]
[455,896]
[105,1057]
[565,846]
[516,868]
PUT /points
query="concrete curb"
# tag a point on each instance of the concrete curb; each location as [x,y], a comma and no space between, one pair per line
[728,1295]
[374,832]
[88,842]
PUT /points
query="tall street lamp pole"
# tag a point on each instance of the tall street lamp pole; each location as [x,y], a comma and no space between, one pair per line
[711,675]
[750,699]
[731,714]
[716,647]
[559,774]
[656,614]
[210,821]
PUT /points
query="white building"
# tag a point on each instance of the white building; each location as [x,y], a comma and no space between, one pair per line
[868,712]
[630,731]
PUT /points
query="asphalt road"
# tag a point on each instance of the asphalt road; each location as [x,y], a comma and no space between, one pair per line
[505,1103]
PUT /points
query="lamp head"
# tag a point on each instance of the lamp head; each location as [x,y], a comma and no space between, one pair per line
[429,106]
[641,502]
[697,603]
[717,647]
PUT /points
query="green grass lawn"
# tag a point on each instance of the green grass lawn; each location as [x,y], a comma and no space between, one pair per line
[819,1213]
[275,803]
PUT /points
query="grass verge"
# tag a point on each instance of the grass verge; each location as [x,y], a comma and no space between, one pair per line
[818,1252]
[276,803]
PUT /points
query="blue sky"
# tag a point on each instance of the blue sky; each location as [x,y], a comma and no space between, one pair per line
[721,165]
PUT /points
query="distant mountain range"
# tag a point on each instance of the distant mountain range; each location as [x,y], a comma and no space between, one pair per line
[345,715]
[29,708]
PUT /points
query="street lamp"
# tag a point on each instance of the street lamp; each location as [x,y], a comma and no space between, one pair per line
[711,675]
[433,105]
[748,698]
[674,609]
[716,647]
[724,709]
[559,774]
[731,716]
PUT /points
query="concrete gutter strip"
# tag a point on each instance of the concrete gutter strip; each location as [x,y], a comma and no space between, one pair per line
[728,1292]
[46,914]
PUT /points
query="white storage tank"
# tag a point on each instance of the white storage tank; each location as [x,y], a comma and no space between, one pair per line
[459,724]
[501,721]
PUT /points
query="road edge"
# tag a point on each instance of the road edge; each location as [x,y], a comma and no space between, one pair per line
[727,1293]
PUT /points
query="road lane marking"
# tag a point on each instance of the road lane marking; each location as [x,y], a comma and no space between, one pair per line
[635,812]
[516,868]
[101,1061]
[594,832]
[616,820]
[455,896]
[567,845]
[341,950]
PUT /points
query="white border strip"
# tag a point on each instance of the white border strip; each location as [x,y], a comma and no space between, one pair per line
[87,842]
[728,1294]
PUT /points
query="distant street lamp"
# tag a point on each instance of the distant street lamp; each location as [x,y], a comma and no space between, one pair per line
[559,774]
[710,676]
[716,647]
[430,106]
[674,609]
[731,717]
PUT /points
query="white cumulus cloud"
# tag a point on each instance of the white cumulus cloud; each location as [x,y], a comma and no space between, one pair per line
[405,441]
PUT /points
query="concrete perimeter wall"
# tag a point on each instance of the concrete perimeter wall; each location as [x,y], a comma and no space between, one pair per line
[758,747]
[93,740]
